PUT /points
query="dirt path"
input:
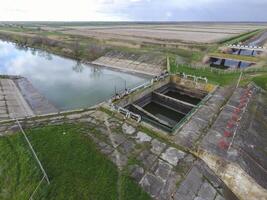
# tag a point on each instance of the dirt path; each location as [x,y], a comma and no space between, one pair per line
[112,140]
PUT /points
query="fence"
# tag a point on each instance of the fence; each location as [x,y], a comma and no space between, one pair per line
[244,46]
[126,92]
[194,78]
[128,114]
[221,71]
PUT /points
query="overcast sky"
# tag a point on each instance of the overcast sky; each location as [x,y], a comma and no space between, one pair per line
[133,10]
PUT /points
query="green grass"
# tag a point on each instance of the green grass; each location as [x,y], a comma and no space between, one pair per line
[18,171]
[213,76]
[77,170]
[261,81]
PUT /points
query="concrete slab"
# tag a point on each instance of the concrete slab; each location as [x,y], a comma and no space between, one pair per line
[128,129]
[157,146]
[152,184]
[172,155]
[163,170]
[207,192]
[137,173]
[141,137]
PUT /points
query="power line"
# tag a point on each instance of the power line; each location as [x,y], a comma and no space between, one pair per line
[33,151]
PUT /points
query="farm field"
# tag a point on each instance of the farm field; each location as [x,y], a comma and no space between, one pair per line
[170,33]
[155,33]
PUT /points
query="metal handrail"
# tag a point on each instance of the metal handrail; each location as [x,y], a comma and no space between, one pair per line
[128,114]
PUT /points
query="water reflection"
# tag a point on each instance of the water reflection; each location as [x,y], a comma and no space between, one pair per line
[78,67]
[66,83]
[22,47]
[245,52]
[229,64]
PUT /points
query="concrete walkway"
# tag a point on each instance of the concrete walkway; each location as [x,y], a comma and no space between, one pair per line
[12,103]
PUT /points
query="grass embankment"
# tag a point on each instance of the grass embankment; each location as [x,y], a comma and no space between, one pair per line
[220,77]
[240,38]
[261,81]
[212,75]
[79,48]
[77,170]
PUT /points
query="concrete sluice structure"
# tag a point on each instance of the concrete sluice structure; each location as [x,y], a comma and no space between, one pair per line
[229,64]
[226,130]
[245,52]
[169,103]
[167,106]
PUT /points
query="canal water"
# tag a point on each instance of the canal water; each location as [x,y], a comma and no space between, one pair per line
[64,82]
[245,52]
[229,64]
[163,113]
[182,97]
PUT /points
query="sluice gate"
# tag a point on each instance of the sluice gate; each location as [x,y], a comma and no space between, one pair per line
[165,107]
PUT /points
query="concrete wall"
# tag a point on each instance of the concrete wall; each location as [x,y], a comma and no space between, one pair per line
[169,102]
[141,93]
[194,86]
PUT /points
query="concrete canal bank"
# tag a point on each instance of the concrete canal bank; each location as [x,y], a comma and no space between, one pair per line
[20,99]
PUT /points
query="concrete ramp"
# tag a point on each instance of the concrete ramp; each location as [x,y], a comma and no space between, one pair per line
[235,145]
[148,64]
[39,104]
